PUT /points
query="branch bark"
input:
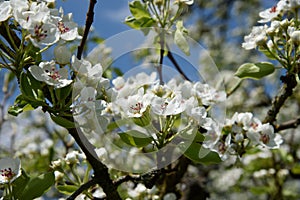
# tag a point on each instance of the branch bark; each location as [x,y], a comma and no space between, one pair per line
[289,83]
[88,24]
[287,125]
[83,187]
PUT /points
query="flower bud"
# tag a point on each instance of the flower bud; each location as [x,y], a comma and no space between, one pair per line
[296,37]
[62,54]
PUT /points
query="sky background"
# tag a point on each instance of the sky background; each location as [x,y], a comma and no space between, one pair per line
[108,18]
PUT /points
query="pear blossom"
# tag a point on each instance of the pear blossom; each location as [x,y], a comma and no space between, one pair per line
[10,169]
[256,38]
[265,137]
[47,72]
[136,104]
[86,73]
[5,10]
[67,28]
[207,94]
[73,157]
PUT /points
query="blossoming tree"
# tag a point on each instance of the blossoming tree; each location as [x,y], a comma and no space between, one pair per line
[135,135]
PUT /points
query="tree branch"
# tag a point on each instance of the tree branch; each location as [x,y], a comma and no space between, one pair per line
[287,125]
[172,59]
[289,83]
[82,188]
[88,24]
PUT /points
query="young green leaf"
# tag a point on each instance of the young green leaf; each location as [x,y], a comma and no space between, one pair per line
[199,154]
[63,121]
[67,189]
[38,186]
[139,10]
[255,70]
[19,185]
[135,138]
[179,38]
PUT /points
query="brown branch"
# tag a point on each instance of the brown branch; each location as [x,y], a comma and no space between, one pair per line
[123,179]
[289,83]
[88,24]
[101,174]
[172,59]
[287,125]
[82,188]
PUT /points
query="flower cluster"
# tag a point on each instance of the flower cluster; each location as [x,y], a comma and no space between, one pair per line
[279,36]
[132,97]
[244,130]
[45,25]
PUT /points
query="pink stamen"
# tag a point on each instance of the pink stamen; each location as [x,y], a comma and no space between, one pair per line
[7,173]
[62,28]
[273,9]
[137,107]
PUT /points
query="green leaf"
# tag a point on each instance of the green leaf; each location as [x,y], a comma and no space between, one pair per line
[19,184]
[67,189]
[139,10]
[179,38]
[255,70]
[142,23]
[63,93]
[135,138]
[19,106]
[38,186]
[117,124]
[31,88]
[63,121]
[199,154]
[192,135]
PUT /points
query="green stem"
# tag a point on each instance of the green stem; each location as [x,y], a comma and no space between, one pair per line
[12,41]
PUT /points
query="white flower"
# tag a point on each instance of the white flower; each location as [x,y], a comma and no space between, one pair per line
[10,169]
[118,82]
[135,105]
[255,38]
[265,136]
[86,73]
[170,106]
[187,2]
[207,94]
[296,37]
[72,157]
[43,34]
[47,72]
[5,10]
[67,28]
[269,14]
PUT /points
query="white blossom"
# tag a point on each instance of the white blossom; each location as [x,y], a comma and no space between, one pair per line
[10,169]
[48,73]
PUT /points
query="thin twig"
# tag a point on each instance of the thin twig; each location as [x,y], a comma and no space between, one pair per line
[287,125]
[289,83]
[82,188]
[161,58]
[88,24]
[172,59]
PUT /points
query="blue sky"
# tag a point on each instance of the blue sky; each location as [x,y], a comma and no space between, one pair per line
[108,18]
